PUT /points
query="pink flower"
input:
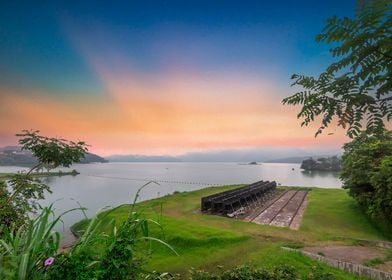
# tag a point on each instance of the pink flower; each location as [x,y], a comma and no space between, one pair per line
[49,261]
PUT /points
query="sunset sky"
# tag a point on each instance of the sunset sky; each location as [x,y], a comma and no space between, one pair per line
[162,77]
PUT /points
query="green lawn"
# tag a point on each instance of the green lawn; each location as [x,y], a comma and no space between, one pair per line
[207,241]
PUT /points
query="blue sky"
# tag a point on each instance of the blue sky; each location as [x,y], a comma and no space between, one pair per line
[65,50]
[35,49]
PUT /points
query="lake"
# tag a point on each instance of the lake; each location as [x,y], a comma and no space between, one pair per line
[110,184]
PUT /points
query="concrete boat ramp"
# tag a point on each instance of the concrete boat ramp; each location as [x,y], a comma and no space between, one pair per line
[284,210]
[260,202]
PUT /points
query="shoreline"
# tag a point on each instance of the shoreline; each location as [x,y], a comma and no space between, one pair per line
[43,174]
[330,219]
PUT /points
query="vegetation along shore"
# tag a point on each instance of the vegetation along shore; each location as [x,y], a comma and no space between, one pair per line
[44,174]
[213,243]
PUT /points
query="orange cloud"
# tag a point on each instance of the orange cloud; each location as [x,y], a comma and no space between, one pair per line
[173,116]
[169,112]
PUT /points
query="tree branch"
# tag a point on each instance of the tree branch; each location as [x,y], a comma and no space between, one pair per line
[34,167]
[385,99]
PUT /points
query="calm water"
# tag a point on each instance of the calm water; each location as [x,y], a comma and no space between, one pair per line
[111,184]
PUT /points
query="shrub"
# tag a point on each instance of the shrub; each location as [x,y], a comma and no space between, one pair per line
[125,250]
[374,262]
[24,250]
[366,172]
[250,272]
[318,273]
[381,180]
[125,255]
[19,195]
[71,267]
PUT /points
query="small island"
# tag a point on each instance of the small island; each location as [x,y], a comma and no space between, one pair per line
[333,164]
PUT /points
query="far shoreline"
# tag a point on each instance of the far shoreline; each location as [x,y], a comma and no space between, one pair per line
[59,173]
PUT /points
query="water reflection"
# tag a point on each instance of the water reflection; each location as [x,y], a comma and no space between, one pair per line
[321,174]
[48,180]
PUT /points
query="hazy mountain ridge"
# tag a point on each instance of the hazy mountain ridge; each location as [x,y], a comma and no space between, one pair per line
[284,155]
[142,158]
[299,159]
[14,156]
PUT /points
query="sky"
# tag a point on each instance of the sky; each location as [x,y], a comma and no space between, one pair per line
[162,77]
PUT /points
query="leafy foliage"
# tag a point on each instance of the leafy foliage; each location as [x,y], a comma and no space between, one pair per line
[247,272]
[382,183]
[359,86]
[52,152]
[71,267]
[21,200]
[367,172]
[23,250]
[19,195]
[25,243]
[126,250]
[322,164]
[124,257]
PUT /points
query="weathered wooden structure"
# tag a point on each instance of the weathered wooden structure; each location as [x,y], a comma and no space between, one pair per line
[229,201]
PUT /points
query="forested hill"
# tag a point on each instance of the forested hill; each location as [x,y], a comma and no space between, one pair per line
[14,156]
[322,164]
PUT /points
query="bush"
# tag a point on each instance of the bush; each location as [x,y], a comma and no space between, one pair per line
[125,250]
[366,172]
[70,267]
[250,272]
[317,273]
[31,251]
[381,180]
[18,199]
[24,251]
[19,195]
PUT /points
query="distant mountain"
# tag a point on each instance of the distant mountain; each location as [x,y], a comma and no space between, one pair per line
[14,156]
[287,160]
[142,158]
[284,155]
[292,159]
[91,158]
[9,148]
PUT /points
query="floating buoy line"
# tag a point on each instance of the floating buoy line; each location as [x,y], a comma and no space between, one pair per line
[151,180]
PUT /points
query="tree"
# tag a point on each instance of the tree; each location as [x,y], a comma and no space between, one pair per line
[18,197]
[367,172]
[358,87]
[355,90]
[322,164]
[51,152]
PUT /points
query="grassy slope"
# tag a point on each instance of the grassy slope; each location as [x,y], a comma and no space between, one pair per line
[206,241]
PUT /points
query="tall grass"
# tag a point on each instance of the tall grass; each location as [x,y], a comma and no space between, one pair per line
[23,250]
[32,251]
[125,256]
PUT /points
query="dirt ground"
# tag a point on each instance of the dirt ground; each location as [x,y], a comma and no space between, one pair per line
[354,254]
